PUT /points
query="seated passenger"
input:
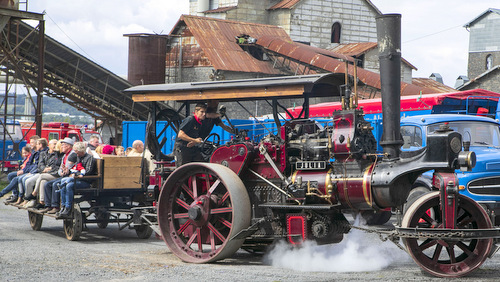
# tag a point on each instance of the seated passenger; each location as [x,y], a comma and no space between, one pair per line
[30,168]
[13,177]
[29,182]
[69,159]
[108,150]
[120,151]
[137,149]
[48,171]
[85,165]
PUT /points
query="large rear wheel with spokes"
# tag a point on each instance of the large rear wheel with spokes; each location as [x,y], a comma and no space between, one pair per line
[202,206]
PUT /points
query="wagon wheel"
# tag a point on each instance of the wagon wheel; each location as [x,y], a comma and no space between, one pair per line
[447,258]
[102,219]
[35,220]
[202,206]
[73,226]
[155,141]
[211,142]
[143,231]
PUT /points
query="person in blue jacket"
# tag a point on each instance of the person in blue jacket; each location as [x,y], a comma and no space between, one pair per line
[14,176]
[30,168]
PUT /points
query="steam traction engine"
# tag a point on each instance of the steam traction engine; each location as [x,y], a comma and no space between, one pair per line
[298,184]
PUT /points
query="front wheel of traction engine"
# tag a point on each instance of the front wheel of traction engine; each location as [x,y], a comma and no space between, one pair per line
[447,257]
[201,207]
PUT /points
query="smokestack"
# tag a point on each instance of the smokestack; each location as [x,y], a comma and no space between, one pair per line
[389,45]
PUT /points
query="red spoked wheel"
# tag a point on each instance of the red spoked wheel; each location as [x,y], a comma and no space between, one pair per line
[201,207]
[447,257]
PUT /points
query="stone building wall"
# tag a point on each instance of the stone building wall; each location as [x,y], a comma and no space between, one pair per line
[253,11]
[477,62]
[280,17]
[489,82]
[312,20]
[483,41]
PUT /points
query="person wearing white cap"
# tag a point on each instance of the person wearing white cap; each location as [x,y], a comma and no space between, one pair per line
[68,160]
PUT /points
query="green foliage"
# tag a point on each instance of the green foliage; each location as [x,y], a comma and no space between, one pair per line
[51,105]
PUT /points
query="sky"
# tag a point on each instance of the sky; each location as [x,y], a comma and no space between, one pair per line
[433,37]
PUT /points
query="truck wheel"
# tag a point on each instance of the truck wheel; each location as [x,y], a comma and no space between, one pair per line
[202,206]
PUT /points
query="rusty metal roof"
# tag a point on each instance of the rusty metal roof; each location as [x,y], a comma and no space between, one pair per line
[432,84]
[220,10]
[217,39]
[357,49]
[284,4]
[354,49]
[308,55]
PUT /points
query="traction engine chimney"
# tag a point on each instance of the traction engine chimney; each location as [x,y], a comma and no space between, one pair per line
[389,45]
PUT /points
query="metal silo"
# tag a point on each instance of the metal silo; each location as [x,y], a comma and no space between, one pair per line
[146,58]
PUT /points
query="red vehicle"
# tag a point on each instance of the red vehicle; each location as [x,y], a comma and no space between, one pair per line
[59,130]
[476,101]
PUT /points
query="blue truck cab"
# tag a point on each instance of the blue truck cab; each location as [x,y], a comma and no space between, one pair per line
[11,144]
[482,183]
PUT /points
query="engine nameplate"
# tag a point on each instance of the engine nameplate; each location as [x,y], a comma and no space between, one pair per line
[310,165]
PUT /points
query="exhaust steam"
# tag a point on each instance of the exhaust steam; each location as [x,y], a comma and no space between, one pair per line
[358,252]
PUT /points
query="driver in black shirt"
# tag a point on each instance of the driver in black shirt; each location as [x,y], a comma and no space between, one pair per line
[185,150]
[213,118]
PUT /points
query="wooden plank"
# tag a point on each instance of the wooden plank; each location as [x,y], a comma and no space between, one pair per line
[121,172]
[116,161]
[122,183]
[117,172]
[222,94]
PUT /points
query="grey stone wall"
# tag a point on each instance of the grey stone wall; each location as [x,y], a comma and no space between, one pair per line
[490,82]
[312,20]
[372,64]
[280,17]
[477,62]
[309,21]
[253,11]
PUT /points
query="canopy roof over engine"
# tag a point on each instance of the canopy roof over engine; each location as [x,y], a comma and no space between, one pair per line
[318,85]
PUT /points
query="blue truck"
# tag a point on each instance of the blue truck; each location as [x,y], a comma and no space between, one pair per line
[482,183]
[11,143]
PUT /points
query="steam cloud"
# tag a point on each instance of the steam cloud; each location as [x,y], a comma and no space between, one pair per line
[359,251]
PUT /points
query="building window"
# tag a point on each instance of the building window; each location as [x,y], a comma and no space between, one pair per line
[489,62]
[336,32]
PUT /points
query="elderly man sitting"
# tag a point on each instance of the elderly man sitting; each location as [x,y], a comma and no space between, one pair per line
[68,161]
[137,149]
[84,165]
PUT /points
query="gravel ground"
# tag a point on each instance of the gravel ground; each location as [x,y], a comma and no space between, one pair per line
[109,254]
